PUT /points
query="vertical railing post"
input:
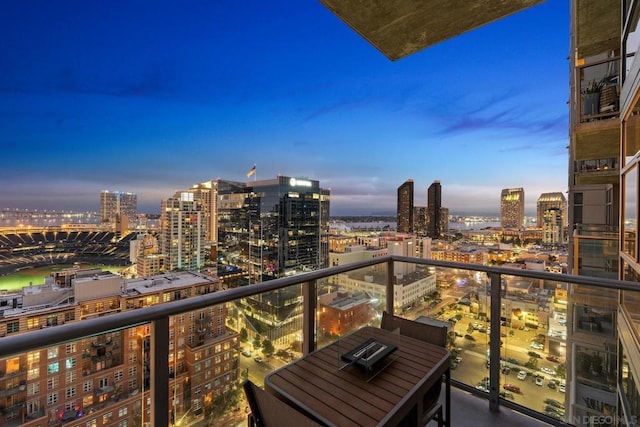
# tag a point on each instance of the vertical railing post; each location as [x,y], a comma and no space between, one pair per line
[309,298]
[159,359]
[390,283]
[494,347]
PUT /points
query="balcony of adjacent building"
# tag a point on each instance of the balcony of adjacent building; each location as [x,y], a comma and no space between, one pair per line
[553,337]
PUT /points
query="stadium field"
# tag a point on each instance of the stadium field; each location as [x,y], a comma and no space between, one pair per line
[36,275]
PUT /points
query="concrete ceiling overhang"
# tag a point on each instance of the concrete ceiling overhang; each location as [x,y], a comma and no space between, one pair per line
[398,28]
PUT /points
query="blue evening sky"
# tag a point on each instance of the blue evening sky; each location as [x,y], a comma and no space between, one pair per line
[153,97]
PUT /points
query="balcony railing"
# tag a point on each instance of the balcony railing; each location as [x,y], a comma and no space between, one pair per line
[497,307]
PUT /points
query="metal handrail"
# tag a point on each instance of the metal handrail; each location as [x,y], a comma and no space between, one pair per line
[158,315]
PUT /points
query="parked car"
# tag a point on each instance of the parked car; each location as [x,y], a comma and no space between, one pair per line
[548,370]
[522,375]
[554,402]
[246,353]
[258,359]
[469,337]
[534,354]
[537,346]
[561,388]
[511,387]
[553,359]
[554,414]
[539,381]
[552,384]
[506,370]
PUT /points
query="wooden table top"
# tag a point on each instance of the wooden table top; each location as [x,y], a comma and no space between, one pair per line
[337,397]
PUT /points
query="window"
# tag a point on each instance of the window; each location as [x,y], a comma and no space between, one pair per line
[91,423]
[33,406]
[33,323]
[71,392]
[33,388]
[103,382]
[106,418]
[122,412]
[69,316]
[87,386]
[70,348]
[52,320]
[52,398]
[53,368]
[71,377]
[117,376]
[13,327]
[52,353]
[52,383]
[122,423]
[132,371]
[33,373]
[70,363]
[133,384]
[99,307]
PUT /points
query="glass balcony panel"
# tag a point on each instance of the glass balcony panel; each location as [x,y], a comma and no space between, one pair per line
[98,379]
[600,90]
[544,324]
[349,301]
[630,204]
[631,135]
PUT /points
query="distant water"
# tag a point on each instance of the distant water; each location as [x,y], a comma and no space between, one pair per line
[391,225]
[472,225]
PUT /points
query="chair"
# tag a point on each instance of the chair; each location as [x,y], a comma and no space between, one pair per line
[428,333]
[421,331]
[267,410]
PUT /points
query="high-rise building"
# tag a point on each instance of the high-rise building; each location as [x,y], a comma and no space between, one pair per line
[272,228]
[405,207]
[182,228]
[206,193]
[512,208]
[552,226]
[444,219]
[550,200]
[434,204]
[118,203]
[420,220]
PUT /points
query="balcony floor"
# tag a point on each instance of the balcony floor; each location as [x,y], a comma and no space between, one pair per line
[468,410]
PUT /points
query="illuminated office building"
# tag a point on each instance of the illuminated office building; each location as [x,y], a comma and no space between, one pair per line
[405,207]
[512,208]
[273,228]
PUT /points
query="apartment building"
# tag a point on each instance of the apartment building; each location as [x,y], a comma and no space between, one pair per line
[101,381]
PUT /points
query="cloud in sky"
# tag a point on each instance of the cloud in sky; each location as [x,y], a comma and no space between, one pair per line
[184,95]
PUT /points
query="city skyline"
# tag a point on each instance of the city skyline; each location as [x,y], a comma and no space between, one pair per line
[157,102]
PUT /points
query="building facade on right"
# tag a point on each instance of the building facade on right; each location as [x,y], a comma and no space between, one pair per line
[603,211]
[512,208]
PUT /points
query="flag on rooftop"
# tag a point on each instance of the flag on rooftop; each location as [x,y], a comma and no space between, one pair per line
[252,171]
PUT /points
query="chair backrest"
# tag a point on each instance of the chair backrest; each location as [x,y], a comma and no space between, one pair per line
[267,410]
[429,333]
